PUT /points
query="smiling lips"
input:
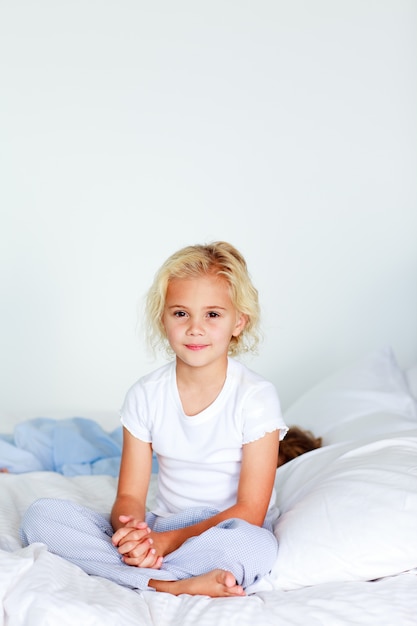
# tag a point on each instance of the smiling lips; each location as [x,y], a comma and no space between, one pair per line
[195,347]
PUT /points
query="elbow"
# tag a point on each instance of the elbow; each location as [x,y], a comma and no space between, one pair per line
[254,514]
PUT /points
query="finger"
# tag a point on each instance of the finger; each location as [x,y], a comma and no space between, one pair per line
[151,560]
[134,547]
[135,535]
[127,533]
[119,535]
[129,520]
[143,560]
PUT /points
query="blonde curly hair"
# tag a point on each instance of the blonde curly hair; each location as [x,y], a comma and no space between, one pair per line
[217,259]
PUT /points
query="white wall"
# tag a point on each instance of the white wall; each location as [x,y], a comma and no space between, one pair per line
[131,128]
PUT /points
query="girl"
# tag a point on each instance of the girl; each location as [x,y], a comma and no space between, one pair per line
[215,427]
[297,442]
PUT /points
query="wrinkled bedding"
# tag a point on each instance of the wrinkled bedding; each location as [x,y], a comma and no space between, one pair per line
[40,589]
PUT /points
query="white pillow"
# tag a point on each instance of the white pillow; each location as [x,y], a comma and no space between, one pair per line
[347,513]
[374,387]
[411,376]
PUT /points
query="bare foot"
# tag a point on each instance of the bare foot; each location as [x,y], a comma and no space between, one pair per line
[216,584]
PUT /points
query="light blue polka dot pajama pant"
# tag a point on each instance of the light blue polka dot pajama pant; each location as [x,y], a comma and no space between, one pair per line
[83,537]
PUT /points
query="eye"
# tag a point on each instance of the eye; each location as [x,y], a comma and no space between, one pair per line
[179,314]
[213,314]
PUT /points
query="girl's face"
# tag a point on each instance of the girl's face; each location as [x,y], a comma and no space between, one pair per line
[200,319]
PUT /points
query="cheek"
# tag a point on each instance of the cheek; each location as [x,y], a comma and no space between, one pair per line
[171,329]
[166,326]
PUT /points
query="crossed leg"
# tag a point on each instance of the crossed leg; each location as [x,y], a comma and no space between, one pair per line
[221,562]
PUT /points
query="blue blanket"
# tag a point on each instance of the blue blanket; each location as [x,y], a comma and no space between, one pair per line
[70,446]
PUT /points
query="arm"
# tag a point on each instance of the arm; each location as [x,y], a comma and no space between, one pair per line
[134,477]
[128,512]
[257,476]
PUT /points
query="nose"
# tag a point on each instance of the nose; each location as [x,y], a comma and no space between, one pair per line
[195,327]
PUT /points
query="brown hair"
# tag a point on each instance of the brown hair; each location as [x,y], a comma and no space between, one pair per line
[296,442]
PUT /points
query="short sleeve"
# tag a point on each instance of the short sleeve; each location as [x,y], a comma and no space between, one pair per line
[134,415]
[262,413]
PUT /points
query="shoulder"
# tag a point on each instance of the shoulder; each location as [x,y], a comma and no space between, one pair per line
[258,402]
[153,380]
[141,395]
[248,380]
[139,406]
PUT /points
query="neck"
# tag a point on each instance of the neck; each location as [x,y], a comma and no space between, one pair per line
[198,387]
[212,374]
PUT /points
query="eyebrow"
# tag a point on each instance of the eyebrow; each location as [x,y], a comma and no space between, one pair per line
[208,308]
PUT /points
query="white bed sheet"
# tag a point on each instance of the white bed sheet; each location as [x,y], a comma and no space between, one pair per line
[368,418]
[40,589]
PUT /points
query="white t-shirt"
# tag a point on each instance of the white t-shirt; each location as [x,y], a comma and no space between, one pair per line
[199,456]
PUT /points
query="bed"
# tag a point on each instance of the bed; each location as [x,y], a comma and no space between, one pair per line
[347,530]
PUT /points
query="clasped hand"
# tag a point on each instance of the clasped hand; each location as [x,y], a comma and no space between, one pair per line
[137,544]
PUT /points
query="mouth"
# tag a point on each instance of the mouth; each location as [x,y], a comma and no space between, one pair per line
[195,347]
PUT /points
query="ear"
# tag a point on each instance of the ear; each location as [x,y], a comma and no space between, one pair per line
[242,320]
